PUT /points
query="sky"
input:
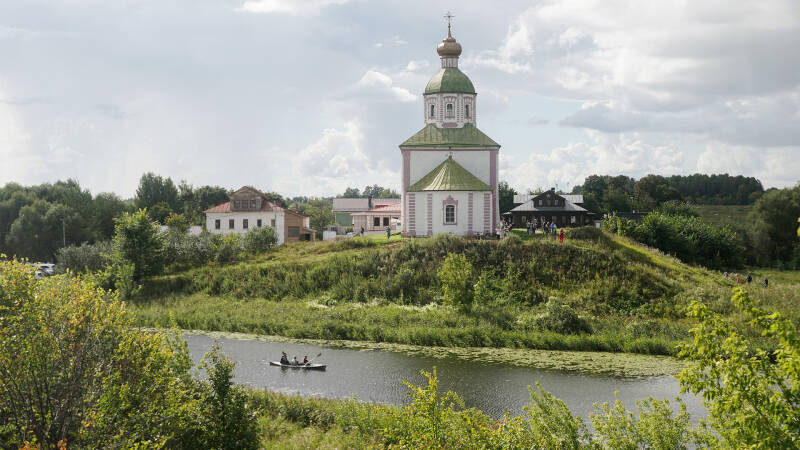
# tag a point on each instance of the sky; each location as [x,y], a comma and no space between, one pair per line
[308,97]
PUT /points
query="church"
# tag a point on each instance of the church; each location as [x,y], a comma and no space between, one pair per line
[450,167]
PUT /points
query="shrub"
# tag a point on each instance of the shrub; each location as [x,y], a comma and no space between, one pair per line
[75,370]
[562,319]
[260,239]
[83,258]
[456,277]
[138,241]
[225,248]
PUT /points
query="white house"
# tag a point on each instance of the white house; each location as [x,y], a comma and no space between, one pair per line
[450,170]
[249,208]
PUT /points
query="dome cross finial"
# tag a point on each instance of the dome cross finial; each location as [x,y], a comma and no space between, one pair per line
[449,17]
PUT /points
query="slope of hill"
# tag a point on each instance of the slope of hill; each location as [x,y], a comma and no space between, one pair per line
[596,292]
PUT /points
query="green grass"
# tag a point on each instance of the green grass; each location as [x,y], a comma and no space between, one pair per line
[374,290]
[720,215]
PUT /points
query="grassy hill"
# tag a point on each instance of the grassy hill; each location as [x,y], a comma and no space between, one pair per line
[631,297]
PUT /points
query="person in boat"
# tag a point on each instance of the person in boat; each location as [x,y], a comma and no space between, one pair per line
[284,358]
[305,360]
[294,361]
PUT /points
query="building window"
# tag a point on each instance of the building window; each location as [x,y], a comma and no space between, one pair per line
[466,111]
[449,110]
[386,221]
[572,219]
[236,204]
[252,204]
[450,214]
[376,221]
[258,223]
[432,109]
[272,223]
[294,231]
[230,224]
[244,224]
[216,224]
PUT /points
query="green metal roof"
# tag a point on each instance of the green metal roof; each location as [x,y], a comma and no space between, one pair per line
[450,79]
[449,176]
[466,136]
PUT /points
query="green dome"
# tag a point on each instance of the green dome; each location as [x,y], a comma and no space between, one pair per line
[450,80]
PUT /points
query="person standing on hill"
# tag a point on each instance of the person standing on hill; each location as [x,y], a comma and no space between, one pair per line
[766,282]
[561,237]
[388,232]
[749,278]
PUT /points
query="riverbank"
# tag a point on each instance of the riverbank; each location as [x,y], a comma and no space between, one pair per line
[613,296]
[595,363]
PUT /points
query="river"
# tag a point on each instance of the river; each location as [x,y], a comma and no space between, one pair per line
[375,376]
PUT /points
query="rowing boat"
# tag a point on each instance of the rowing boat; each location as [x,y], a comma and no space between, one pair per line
[304,367]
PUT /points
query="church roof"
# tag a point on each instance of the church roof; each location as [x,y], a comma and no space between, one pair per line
[449,176]
[450,80]
[467,136]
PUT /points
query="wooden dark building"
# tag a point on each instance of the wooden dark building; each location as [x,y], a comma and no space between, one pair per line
[565,210]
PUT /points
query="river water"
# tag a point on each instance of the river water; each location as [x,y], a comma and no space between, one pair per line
[375,376]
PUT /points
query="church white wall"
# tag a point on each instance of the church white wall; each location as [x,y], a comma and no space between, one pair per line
[252,219]
[461,227]
[475,161]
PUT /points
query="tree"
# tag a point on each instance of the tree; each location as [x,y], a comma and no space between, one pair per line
[137,241]
[351,193]
[320,210]
[456,276]
[259,239]
[75,371]
[752,394]
[177,223]
[653,190]
[106,207]
[153,189]
[506,196]
[772,234]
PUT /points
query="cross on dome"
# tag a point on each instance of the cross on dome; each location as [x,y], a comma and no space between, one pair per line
[448,16]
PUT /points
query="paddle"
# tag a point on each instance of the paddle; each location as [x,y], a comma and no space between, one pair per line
[309,361]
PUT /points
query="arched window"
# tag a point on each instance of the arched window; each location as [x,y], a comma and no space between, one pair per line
[466,111]
[432,111]
[450,214]
[449,110]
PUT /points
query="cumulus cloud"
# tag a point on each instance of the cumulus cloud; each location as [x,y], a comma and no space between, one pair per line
[773,166]
[390,42]
[291,7]
[377,82]
[333,162]
[415,65]
[624,153]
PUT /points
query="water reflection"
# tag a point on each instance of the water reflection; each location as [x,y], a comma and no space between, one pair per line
[375,376]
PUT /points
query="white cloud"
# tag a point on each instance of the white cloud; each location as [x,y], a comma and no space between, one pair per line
[390,42]
[333,162]
[624,153]
[415,65]
[291,7]
[379,82]
[774,166]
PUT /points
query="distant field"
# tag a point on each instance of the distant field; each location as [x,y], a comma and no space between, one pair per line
[719,215]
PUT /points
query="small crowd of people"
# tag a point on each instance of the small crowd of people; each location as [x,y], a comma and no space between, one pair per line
[294,362]
[547,227]
[740,279]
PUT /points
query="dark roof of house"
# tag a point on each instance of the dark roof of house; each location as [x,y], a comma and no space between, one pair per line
[529,207]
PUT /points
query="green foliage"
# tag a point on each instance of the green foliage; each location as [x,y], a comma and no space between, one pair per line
[225,248]
[154,190]
[562,319]
[226,419]
[655,427]
[771,236]
[456,275]
[686,237]
[177,223]
[752,394]
[73,369]
[653,190]
[118,276]
[259,239]
[678,208]
[137,241]
[505,194]
[83,258]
